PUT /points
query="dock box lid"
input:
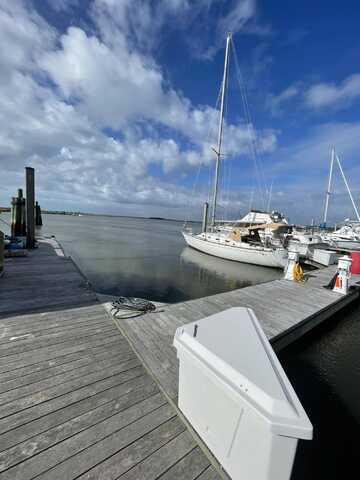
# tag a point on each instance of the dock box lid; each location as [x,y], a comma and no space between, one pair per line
[233,346]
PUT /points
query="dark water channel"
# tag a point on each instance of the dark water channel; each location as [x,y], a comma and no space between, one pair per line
[324,369]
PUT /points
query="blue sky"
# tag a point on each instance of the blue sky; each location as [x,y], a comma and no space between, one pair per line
[113,102]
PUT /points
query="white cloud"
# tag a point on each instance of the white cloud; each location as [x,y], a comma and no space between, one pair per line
[116,86]
[302,170]
[62,5]
[275,102]
[102,81]
[142,20]
[330,94]
[237,17]
[23,35]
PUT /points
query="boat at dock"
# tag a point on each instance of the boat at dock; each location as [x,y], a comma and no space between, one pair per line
[346,237]
[236,250]
[229,242]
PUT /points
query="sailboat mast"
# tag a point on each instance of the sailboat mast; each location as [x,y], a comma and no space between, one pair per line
[220,132]
[329,185]
[348,188]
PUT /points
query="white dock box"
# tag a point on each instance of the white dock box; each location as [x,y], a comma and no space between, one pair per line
[235,394]
[324,257]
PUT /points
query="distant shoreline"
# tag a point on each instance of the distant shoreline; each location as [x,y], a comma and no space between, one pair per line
[76,214]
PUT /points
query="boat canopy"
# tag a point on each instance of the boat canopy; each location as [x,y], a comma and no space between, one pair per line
[271,226]
[260,217]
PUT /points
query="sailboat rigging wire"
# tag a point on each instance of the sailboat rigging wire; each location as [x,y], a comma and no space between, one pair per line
[228,164]
[225,164]
[347,187]
[251,131]
[328,190]
[208,136]
[270,195]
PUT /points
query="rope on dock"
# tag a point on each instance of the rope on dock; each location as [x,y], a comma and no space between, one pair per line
[298,273]
[128,307]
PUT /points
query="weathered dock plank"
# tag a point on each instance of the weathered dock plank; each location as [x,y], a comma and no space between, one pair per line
[286,310]
[75,400]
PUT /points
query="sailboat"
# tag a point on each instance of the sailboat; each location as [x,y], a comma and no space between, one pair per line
[348,235]
[236,245]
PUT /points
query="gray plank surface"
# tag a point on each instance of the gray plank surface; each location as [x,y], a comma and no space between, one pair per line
[286,310]
[75,399]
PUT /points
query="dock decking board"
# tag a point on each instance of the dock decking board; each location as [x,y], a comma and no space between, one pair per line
[75,400]
[286,310]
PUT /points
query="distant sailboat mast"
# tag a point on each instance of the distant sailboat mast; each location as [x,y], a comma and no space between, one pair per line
[328,191]
[220,133]
[347,187]
[334,157]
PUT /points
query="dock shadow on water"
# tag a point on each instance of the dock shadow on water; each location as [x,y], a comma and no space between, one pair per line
[147,258]
[324,369]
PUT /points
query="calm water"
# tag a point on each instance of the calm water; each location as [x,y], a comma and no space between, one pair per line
[324,369]
[147,258]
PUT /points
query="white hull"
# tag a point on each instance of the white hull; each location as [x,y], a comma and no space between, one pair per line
[306,249]
[347,244]
[239,252]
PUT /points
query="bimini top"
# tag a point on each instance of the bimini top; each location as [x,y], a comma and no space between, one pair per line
[234,347]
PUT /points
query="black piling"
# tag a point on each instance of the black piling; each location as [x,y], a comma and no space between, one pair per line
[205,217]
[38,217]
[18,225]
[2,246]
[30,207]
[23,212]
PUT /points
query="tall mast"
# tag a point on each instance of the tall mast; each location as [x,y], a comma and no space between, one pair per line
[221,124]
[328,191]
[348,188]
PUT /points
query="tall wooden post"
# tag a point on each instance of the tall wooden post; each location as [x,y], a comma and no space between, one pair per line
[205,217]
[38,217]
[17,220]
[23,212]
[13,216]
[1,253]
[30,204]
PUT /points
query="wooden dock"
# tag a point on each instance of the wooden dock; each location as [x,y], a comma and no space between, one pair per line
[75,400]
[83,396]
[285,309]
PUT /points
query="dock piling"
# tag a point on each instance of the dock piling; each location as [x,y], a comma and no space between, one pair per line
[2,246]
[23,212]
[30,204]
[38,217]
[205,217]
[18,223]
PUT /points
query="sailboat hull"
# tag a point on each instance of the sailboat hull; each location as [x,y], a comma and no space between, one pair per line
[242,252]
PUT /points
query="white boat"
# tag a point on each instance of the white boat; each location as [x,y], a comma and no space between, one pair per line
[305,243]
[347,237]
[229,243]
[238,251]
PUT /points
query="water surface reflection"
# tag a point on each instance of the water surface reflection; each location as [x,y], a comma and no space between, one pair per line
[146,258]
